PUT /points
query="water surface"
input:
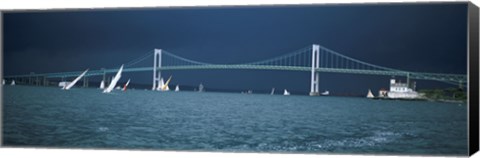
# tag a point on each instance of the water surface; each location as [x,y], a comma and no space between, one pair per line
[193,121]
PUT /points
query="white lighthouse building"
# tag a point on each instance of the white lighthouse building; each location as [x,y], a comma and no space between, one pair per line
[401,90]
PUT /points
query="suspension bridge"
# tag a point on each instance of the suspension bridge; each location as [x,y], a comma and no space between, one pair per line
[313,59]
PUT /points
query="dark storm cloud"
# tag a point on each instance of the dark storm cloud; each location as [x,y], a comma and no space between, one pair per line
[421,37]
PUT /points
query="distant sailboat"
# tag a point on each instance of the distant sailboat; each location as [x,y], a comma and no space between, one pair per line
[13,83]
[200,88]
[165,86]
[3,82]
[102,85]
[326,93]
[370,94]
[160,84]
[71,84]
[285,92]
[273,91]
[177,88]
[126,84]
[114,81]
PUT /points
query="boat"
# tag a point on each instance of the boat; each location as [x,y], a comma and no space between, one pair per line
[3,83]
[114,81]
[177,88]
[160,84]
[273,91]
[126,84]
[164,86]
[102,85]
[370,94]
[285,92]
[118,88]
[200,88]
[326,93]
[71,84]
[13,83]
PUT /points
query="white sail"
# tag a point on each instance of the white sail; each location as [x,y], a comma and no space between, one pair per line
[102,85]
[13,83]
[165,85]
[126,84]
[3,82]
[114,81]
[285,92]
[370,94]
[273,91]
[67,87]
[160,84]
[177,88]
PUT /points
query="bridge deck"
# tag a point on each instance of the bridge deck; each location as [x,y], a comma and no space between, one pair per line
[449,78]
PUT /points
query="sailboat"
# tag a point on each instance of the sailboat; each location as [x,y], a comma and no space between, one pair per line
[370,94]
[102,85]
[114,81]
[13,83]
[164,86]
[160,84]
[126,84]
[285,92]
[200,88]
[3,83]
[326,93]
[71,84]
[273,91]
[177,88]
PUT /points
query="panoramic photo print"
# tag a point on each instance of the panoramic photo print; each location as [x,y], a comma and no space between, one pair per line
[321,79]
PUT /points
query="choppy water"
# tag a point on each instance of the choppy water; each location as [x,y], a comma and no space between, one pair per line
[138,119]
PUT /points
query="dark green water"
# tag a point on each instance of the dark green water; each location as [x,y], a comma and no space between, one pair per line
[138,119]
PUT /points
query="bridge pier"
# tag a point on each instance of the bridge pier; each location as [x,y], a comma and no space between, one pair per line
[408,80]
[107,82]
[45,81]
[85,82]
[157,63]
[104,76]
[314,82]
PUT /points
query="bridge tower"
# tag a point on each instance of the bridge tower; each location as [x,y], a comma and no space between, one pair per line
[315,65]
[157,63]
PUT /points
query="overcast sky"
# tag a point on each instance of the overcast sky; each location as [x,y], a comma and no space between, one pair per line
[418,37]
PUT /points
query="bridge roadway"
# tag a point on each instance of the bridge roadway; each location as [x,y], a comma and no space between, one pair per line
[447,78]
